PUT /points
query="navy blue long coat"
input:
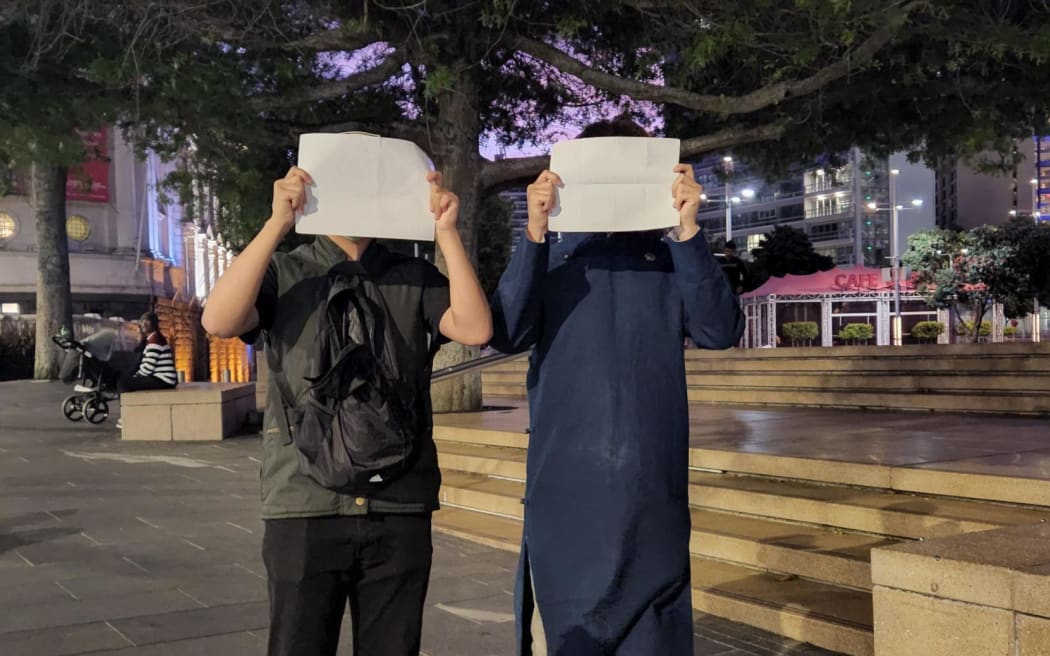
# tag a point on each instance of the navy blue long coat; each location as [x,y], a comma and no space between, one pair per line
[606,533]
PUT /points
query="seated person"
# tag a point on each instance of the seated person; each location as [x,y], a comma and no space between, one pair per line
[156,368]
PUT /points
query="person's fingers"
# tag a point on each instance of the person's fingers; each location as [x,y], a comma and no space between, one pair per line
[435,178]
[297,173]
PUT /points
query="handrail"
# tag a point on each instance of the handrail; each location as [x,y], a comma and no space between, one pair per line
[484,362]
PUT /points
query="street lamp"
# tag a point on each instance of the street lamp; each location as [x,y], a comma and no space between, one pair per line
[895,210]
[727,166]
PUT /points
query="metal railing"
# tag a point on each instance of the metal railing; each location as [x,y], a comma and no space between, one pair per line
[477,364]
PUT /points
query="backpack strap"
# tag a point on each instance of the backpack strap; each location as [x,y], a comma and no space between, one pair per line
[288,401]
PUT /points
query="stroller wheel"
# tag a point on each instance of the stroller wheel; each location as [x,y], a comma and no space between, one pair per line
[96,410]
[73,408]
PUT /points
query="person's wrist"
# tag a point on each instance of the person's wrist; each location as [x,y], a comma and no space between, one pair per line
[446,231]
[279,225]
[536,231]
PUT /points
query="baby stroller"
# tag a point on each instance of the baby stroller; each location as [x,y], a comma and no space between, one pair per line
[92,364]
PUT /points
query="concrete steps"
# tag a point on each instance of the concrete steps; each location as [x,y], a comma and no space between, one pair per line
[876,512]
[983,378]
[833,618]
[778,542]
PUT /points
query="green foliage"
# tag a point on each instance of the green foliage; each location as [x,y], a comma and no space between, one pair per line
[1032,260]
[976,268]
[494,240]
[856,333]
[17,347]
[1010,331]
[786,250]
[801,331]
[966,328]
[927,331]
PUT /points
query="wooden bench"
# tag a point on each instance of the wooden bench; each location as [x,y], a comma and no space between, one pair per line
[190,412]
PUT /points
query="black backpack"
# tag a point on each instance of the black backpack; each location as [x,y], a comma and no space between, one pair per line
[354,426]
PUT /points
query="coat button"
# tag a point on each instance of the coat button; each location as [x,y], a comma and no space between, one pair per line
[359,501]
[566,257]
[649,257]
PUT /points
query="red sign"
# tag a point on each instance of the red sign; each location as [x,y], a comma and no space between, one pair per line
[857,281]
[90,179]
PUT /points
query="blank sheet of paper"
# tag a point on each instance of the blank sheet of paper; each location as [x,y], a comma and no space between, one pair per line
[615,184]
[365,186]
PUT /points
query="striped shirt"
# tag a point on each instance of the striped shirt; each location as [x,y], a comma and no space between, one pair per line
[158,360]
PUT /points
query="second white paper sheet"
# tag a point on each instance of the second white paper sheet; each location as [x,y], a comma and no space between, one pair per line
[365,186]
[615,184]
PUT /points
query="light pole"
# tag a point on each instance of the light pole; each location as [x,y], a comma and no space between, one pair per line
[1035,199]
[729,202]
[727,166]
[895,210]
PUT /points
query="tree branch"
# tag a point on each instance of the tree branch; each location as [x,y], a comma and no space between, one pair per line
[347,37]
[746,104]
[413,132]
[336,88]
[731,137]
[517,169]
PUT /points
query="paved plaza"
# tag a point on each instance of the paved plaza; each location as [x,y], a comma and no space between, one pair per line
[153,549]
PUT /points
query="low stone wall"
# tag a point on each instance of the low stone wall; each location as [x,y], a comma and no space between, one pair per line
[985,594]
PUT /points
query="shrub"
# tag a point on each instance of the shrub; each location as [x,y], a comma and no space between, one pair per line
[1010,331]
[17,352]
[801,332]
[966,328]
[927,331]
[856,332]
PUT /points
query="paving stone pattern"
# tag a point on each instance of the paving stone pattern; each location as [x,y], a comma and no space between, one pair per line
[153,549]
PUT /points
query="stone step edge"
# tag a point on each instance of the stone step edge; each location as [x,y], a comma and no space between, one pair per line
[732,607]
[869,476]
[924,392]
[854,573]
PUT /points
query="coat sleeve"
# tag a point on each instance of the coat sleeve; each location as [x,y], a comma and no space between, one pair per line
[516,305]
[712,313]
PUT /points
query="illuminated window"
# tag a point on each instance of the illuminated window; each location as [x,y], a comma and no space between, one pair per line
[78,228]
[8,226]
[10,308]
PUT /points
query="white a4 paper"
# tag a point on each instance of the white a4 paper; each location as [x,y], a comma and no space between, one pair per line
[615,184]
[365,186]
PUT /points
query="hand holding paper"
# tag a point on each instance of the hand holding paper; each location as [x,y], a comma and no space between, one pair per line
[615,184]
[686,192]
[444,204]
[365,186]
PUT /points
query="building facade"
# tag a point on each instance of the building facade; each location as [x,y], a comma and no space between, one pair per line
[967,197]
[132,249]
[841,202]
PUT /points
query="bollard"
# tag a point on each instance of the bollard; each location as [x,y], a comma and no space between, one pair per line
[181,376]
[225,375]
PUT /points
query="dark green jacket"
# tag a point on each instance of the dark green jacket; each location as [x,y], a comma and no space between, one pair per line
[417,296]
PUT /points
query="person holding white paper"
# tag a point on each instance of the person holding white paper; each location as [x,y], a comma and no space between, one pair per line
[605,546]
[324,547]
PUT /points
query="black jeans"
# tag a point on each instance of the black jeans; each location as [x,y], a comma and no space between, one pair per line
[132,383]
[380,563]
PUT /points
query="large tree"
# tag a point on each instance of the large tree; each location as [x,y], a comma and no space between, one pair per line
[47,96]
[812,76]
[968,271]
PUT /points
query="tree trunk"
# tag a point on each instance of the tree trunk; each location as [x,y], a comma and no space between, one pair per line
[456,135]
[54,302]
